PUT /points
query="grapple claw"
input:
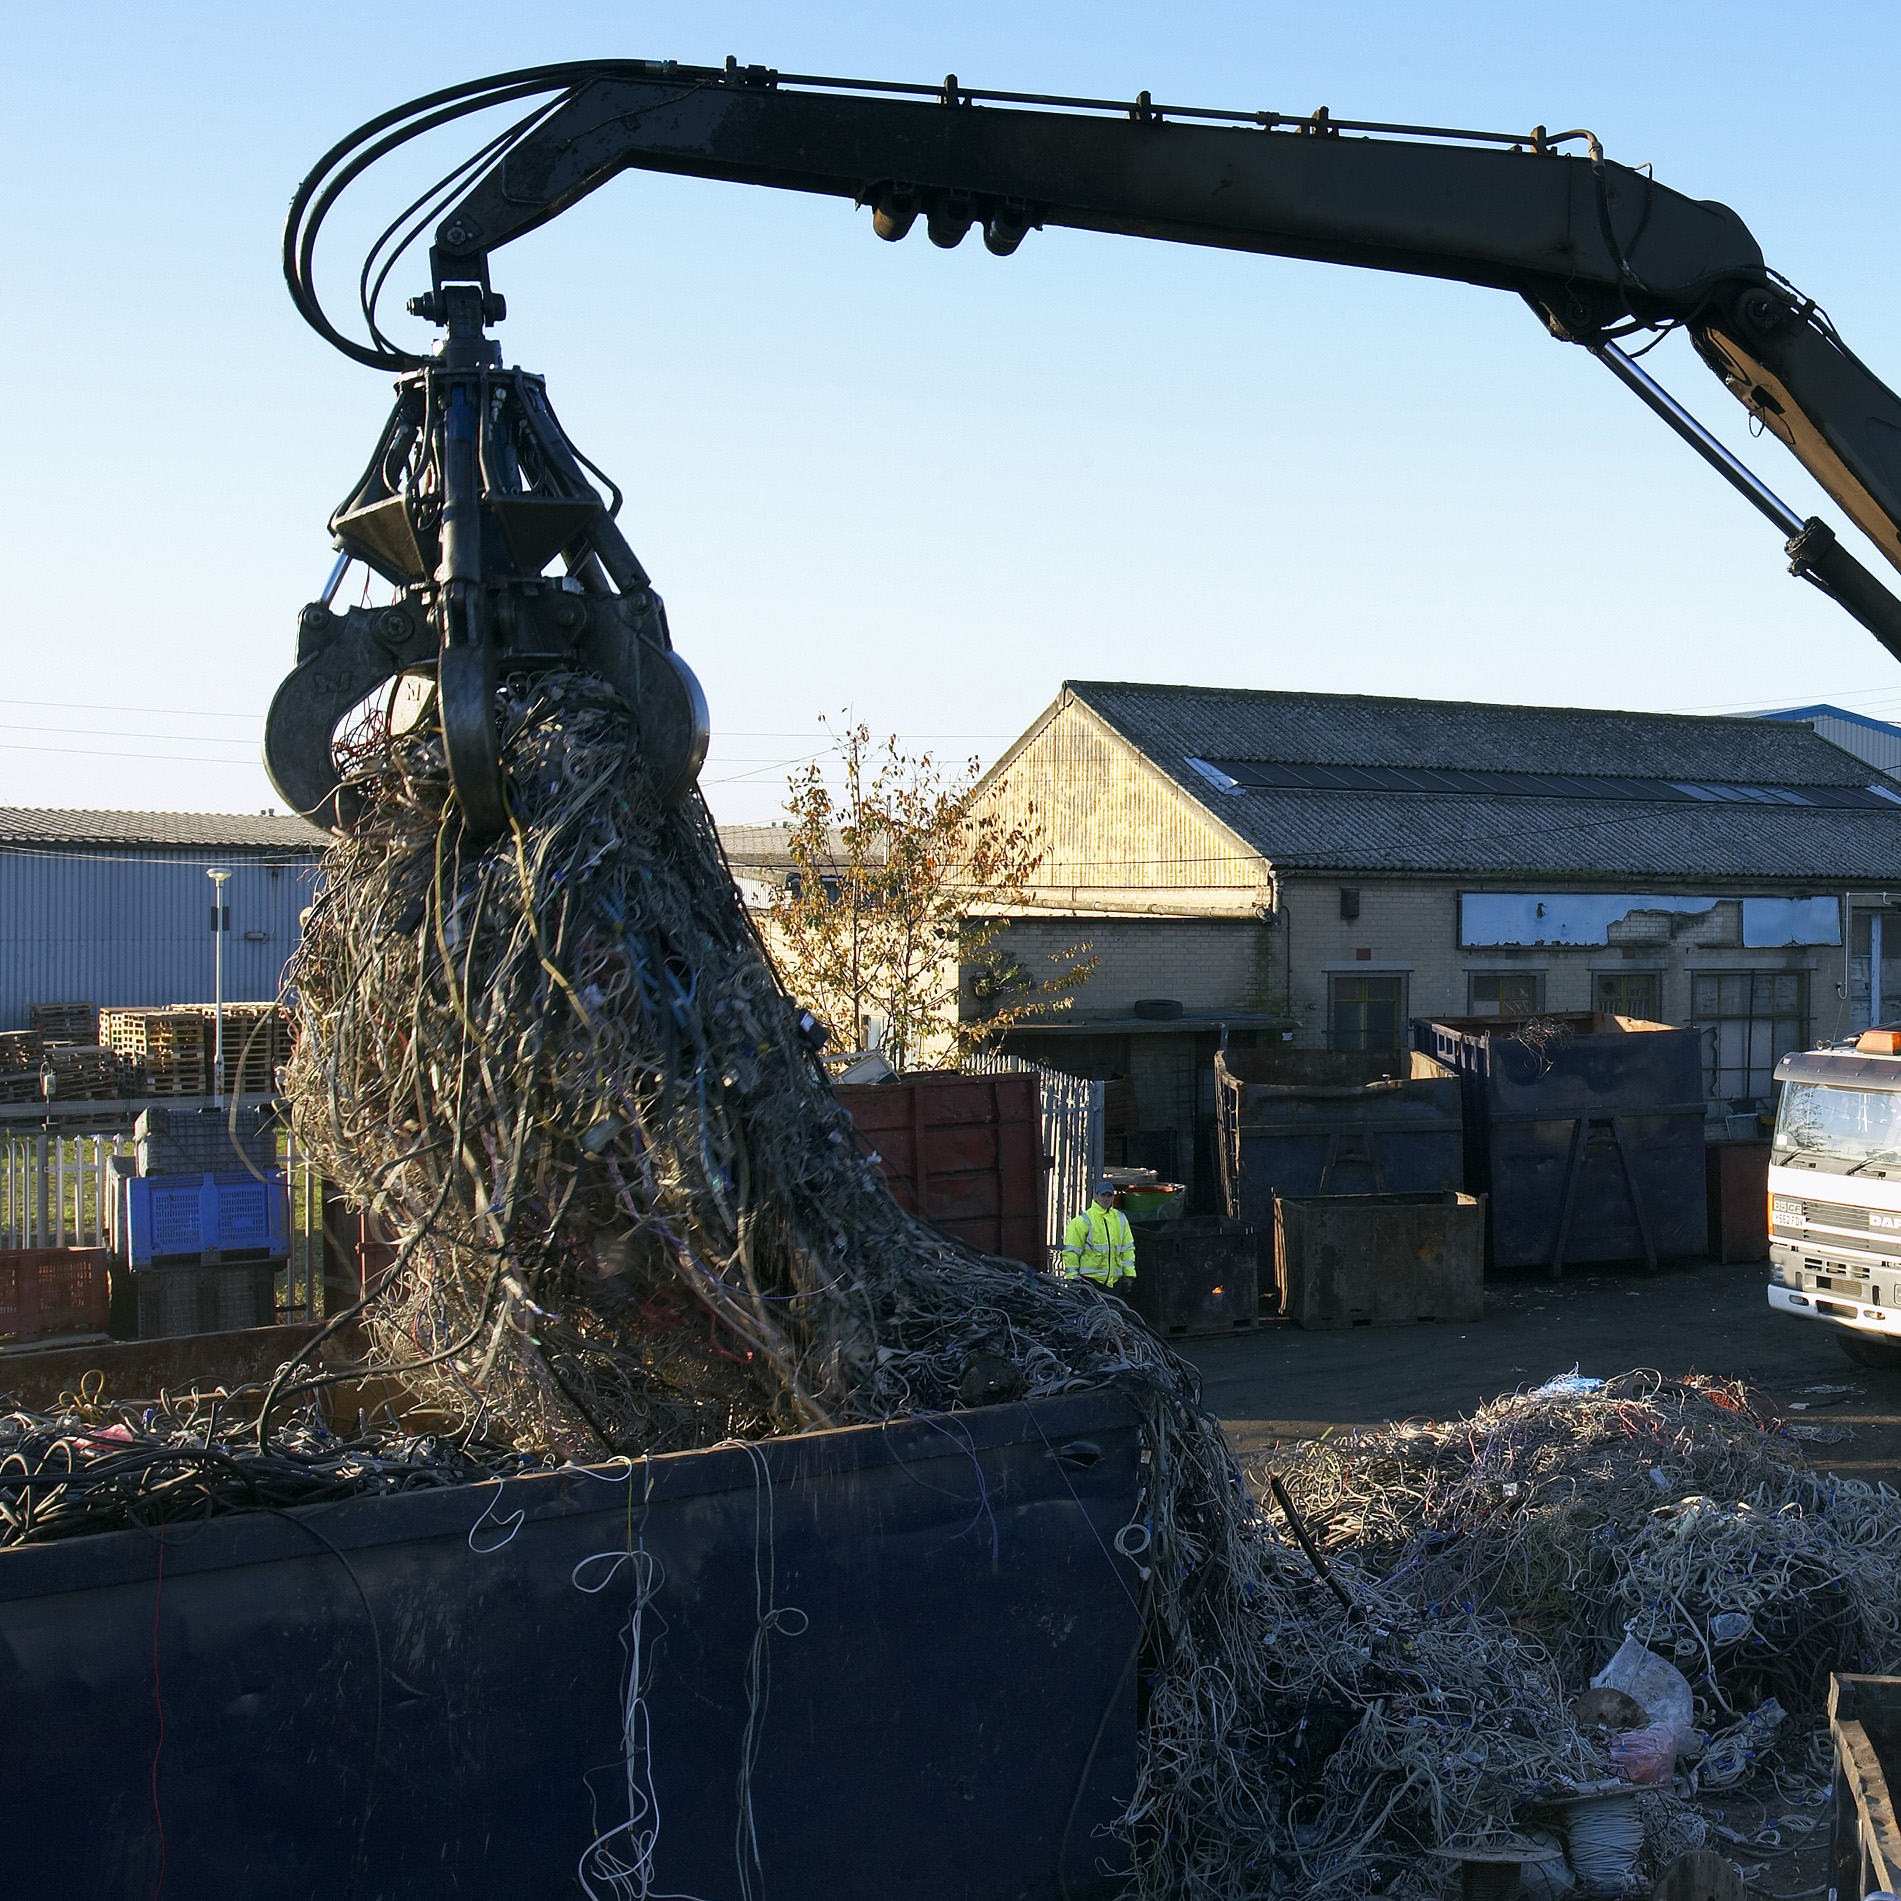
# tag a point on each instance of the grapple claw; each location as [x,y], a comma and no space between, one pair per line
[473,491]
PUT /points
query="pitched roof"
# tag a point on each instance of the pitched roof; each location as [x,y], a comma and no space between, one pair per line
[1824,711]
[138,831]
[1512,834]
[1356,729]
[761,848]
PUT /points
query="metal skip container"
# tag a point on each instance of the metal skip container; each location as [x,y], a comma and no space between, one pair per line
[1864,1721]
[1198,1274]
[1380,1260]
[963,1151]
[1584,1131]
[896,1659]
[1332,1122]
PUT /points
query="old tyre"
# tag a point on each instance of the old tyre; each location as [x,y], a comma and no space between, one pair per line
[1868,1349]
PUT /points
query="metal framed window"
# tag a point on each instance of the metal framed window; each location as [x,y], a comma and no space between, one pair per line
[1627,993]
[1366,1013]
[1749,1018]
[1502,993]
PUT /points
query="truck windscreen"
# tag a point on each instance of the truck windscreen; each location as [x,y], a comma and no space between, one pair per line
[1857,1125]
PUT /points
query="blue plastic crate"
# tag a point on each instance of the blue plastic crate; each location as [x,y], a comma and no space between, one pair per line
[169,1216]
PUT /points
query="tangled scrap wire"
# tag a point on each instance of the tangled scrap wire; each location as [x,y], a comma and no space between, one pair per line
[1545,1039]
[1647,1507]
[1665,1510]
[97,1465]
[632,1218]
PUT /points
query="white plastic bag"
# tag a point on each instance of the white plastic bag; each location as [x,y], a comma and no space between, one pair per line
[1660,1687]
[1571,1385]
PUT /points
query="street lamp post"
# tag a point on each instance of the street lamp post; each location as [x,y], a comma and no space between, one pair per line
[217,878]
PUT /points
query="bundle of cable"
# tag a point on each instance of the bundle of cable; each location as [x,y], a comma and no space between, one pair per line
[1604,1835]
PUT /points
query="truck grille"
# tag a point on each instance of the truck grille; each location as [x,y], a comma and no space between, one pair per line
[1877,1231]
[1880,1246]
[1836,1214]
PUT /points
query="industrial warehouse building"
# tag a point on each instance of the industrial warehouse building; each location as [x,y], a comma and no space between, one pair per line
[116,907]
[1324,867]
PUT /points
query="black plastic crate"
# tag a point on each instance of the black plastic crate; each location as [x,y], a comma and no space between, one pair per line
[190,1297]
[199,1141]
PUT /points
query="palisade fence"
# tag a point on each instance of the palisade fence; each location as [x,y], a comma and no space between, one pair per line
[1072,1133]
[55,1189]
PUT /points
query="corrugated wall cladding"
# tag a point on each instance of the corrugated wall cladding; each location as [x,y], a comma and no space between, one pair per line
[1881,749]
[134,928]
[1107,821]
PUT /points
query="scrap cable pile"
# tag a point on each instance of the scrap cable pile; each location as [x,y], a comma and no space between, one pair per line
[1663,1510]
[631,1216]
[1576,1516]
[95,1465]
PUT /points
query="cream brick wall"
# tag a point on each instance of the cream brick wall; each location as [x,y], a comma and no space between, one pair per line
[1415,924]
[1204,963]
[1109,824]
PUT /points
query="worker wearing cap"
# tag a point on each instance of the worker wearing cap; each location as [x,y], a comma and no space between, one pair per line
[1098,1244]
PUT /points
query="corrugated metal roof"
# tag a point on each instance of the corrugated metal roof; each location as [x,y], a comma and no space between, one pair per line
[1873,740]
[1508,836]
[756,844]
[1825,711]
[1352,729]
[1363,831]
[208,831]
[758,847]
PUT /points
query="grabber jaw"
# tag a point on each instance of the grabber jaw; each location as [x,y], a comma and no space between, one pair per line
[474,490]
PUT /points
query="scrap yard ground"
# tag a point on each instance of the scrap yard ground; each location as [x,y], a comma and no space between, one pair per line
[1277,1383]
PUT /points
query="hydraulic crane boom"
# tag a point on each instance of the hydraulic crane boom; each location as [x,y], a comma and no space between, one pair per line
[1597,249]
[1591,245]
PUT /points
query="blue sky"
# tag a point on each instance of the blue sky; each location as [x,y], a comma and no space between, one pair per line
[927,486]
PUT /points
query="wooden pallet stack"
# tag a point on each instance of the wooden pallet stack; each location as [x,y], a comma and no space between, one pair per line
[165,1047]
[87,1072]
[256,1044]
[67,1022]
[21,1054]
[83,1069]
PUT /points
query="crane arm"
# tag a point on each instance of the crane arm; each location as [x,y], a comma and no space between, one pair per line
[1594,247]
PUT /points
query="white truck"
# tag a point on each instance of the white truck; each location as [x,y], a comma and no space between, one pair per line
[1835,1194]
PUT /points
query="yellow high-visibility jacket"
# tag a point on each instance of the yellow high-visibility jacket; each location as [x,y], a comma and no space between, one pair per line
[1099,1244]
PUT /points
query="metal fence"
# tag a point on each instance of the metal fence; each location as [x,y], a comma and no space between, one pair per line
[54,1193]
[53,1190]
[1072,1133]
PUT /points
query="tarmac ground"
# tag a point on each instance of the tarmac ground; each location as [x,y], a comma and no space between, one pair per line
[1274,1382]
